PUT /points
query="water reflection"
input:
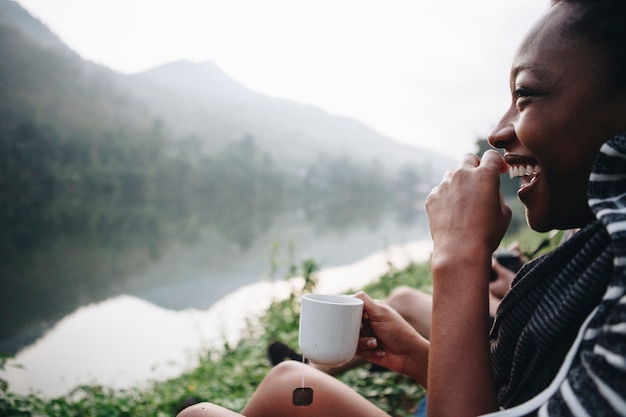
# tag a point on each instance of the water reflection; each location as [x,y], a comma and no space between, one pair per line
[87,252]
[123,341]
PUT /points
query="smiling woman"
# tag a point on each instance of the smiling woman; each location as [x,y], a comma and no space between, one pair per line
[566,116]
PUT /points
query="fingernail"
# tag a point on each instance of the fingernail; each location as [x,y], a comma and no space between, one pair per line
[372,343]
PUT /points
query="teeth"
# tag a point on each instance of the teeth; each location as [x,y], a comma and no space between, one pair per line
[523,170]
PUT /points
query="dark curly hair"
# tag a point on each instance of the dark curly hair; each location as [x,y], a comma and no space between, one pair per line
[602,23]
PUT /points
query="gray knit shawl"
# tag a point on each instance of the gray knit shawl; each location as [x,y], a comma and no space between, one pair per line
[540,317]
[551,297]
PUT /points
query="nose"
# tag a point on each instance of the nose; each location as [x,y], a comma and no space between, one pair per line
[504,132]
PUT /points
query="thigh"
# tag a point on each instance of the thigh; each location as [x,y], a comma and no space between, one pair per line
[331,397]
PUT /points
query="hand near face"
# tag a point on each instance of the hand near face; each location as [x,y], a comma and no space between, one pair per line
[467,208]
[389,340]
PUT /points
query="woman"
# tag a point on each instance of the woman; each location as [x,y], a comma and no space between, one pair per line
[564,130]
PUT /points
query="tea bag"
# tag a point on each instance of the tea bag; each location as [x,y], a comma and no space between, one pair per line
[302,396]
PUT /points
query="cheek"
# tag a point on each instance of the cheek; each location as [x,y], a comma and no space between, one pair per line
[540,136]
[561,147]
[565,164]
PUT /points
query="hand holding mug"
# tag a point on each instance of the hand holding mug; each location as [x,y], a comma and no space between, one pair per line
[387,339]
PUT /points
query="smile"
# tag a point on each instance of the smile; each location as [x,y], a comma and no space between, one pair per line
[524,171]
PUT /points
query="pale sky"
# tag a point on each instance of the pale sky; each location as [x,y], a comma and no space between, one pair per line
[431,73]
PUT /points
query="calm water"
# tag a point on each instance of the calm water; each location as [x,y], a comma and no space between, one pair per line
[118,306]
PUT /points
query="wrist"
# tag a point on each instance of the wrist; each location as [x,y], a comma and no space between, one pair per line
[453,263]
[460,286]
[416,365]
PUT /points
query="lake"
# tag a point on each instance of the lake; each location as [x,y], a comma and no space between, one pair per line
[99,308]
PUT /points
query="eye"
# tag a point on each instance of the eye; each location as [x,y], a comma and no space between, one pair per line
[522,92]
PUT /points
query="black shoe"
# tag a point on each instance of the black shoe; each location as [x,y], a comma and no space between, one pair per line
[377,368]
[279,352]
[187,402]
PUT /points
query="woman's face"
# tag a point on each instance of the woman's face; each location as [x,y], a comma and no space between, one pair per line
[560,115]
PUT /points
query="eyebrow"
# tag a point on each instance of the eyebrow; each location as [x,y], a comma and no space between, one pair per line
[535,69]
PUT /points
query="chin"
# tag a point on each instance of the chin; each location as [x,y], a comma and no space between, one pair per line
[546,223]
[540,228]
[539,223]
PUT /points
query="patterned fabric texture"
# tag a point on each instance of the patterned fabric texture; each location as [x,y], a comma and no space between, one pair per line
[551,297]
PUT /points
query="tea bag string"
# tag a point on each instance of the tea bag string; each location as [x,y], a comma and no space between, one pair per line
[303,361]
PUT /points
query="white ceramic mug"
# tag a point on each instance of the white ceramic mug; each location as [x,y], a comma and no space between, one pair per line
[329,328]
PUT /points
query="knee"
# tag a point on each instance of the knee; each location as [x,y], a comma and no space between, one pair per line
[196,410]
[402,298]
[287,371]
[287,374]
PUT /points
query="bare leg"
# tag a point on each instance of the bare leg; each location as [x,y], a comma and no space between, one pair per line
[414,306]
[330,396]
[273,398]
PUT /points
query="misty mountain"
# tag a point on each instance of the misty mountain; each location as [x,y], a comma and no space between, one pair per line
[12,14]
[199,98]
[194,100]
[43,82]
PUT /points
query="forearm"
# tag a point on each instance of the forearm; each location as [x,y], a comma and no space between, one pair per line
[416,365]
[459,375]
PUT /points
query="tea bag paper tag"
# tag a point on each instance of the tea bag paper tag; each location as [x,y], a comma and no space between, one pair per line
[302,396]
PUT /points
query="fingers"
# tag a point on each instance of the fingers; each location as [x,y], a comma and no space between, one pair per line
[366,343]
[369,347]
[369,304]
[372,309]
[499,288]
[506,210]
[490,158]
[470,160]
[369,351]
[504,276]
[363,296]
[493,158]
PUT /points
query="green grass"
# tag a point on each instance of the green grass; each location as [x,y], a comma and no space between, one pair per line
[229,376]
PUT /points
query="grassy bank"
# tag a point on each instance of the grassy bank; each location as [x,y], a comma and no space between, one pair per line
[229,376]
